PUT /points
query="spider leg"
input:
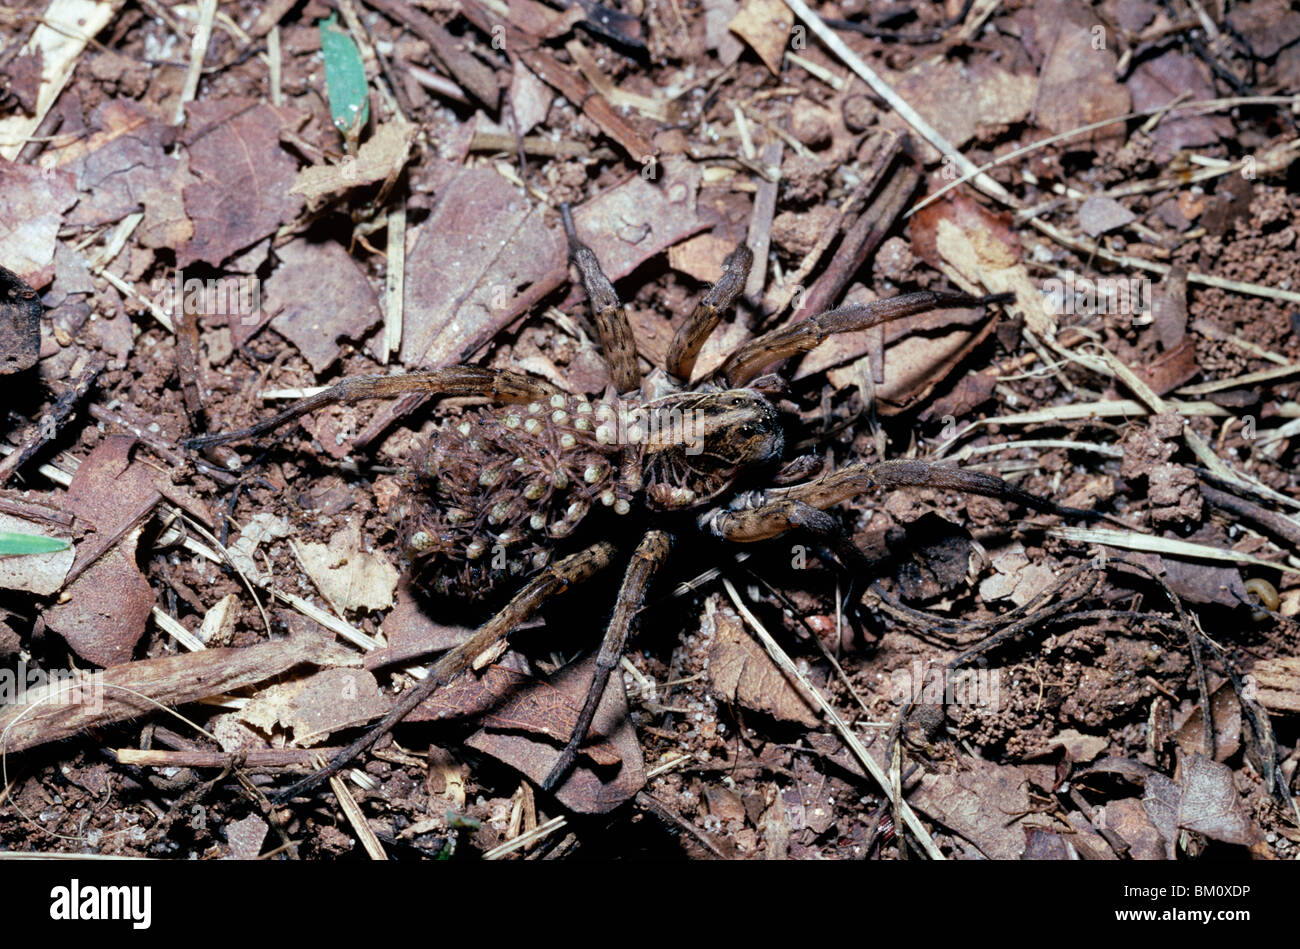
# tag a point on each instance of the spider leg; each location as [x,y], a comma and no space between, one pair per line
[553,580]
[649,557]
[498,385]
[777,515]
[781,343]
[691,335]
[609,313]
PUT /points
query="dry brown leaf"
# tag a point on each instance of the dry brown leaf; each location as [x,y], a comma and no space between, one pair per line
[124,160]
[1077,83]
[586,790]
[486,254]
[765,26]
[1079,747]
[106,608]
[1160,798]
[245,837]
[976,802]
[1129,819]
[380,158]
[1210,804]
[979,249]
[1099,215]
[34,200]
[315,706]
[347,575]
[960,100]
[530,98]
[1016,578]
[1172,76]
[411,632]
[741,671]
[319,296]
[240,190]
[513,701]
[700,257]
[1225,712]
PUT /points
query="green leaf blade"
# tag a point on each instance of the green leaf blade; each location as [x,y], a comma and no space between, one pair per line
[17,544]
[345,79]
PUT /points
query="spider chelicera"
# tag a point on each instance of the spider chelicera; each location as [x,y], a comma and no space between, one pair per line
[499,491]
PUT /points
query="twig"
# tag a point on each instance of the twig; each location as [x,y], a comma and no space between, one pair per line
[195,758]
[130,690]
[198,51]
[897,102]
[45,430]
[859,751]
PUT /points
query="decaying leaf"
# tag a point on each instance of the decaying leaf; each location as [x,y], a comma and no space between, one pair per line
[1077,84]
[107,606]
[765,25]
[319,295]
[246,837]
[1210,804]
[314,707]
[979,802]
[508,700]
[347,575]
[1202,799]
[34,200]
[240,192]
[1129,819]
[122,161]
[1225,712]
[991,99]
[488,254]
[1016,577]
[1160,801]
[1078,746]
[380,158]
[979,249]
[588,789]
[741,671]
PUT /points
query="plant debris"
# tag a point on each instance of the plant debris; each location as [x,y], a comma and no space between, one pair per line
[193,238]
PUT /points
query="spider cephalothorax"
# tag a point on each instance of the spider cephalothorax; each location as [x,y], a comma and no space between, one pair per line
[500,490]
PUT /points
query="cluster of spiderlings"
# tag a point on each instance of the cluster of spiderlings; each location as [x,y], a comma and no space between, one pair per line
[498,486]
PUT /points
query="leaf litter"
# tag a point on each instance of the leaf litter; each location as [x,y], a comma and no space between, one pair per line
[666,174]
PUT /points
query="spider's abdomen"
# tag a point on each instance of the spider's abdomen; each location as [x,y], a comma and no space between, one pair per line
[498,487]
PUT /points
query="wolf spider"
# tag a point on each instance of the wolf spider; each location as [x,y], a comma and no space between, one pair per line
[519,474]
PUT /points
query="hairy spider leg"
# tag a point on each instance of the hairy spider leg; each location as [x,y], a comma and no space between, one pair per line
[497,384]
[551,581]
[609,313]
[650,555]
[691,335]
[775,514]
[785,341]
